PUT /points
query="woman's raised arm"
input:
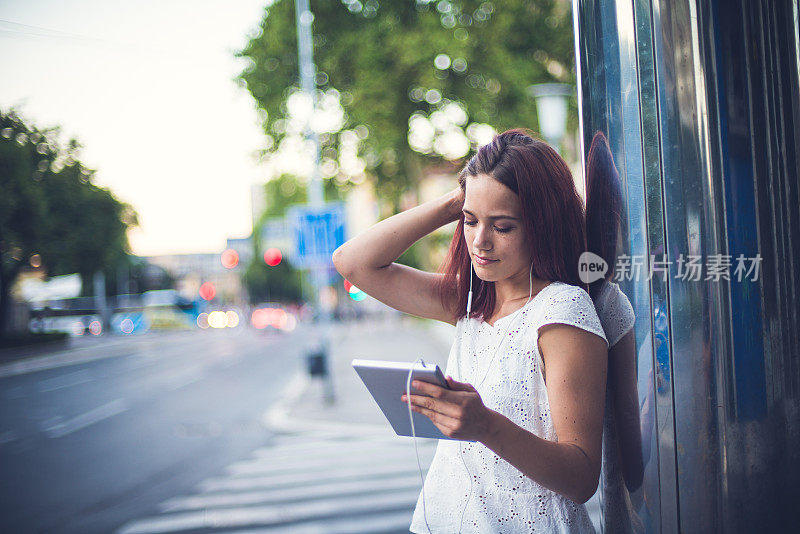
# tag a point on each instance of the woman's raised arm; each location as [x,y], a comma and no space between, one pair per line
[367,260]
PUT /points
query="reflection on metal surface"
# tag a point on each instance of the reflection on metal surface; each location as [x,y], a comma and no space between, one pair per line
[610,103]
[700,102]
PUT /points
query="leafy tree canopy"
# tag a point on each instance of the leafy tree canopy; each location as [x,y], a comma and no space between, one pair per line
[51,208]
[414,80]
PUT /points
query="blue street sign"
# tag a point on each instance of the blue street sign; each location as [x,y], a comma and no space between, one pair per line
[318,231]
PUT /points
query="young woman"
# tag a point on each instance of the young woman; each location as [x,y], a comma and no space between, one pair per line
[527,369]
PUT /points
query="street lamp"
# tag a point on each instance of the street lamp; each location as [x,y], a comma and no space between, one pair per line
[551,107]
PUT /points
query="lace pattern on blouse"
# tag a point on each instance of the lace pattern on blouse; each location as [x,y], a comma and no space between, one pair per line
[502,498]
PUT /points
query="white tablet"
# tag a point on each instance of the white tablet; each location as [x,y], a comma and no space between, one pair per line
[386,381]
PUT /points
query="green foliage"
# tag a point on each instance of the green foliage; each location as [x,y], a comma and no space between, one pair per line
[286,191]
[282,193]
[281,283]
[50,207]
[380,57]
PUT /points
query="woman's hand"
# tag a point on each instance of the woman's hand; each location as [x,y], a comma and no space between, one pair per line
[458,412]
[455,204]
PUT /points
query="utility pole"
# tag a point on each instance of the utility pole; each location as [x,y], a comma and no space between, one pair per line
[316,193]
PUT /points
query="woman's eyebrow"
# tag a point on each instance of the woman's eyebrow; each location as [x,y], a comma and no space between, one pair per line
[493,217]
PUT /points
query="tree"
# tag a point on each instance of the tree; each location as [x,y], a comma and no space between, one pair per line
[412,76]
[282,282]
[50,207]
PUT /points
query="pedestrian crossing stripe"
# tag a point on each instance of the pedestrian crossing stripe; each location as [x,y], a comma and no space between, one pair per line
[304,483]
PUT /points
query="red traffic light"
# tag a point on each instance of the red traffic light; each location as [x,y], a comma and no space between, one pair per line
[272,257]
[230,258]
[207,291]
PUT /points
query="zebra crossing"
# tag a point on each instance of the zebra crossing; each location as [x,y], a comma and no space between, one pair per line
[304,483]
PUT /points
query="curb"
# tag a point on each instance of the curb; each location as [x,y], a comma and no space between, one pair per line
[277,419]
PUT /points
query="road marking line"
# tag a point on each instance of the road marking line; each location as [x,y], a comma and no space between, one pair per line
[65,428]
[364,524]
[265,466]
[64,381]
[335,489]
[335,473]
[8,436]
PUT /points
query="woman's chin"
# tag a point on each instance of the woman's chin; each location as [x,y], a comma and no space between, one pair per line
[486,277]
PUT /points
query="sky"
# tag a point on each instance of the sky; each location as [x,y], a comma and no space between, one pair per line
[147,87]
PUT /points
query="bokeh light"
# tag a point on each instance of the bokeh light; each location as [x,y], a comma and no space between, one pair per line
[272,257]
[233,319]
[126,326]
[274,317]
[355,293]
[259,319]
[442,62]
[217,319]
[96,327]
[202,320]
[230,258]
[207,291]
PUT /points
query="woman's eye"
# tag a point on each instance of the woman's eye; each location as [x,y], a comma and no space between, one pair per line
[503,230]
[469,223]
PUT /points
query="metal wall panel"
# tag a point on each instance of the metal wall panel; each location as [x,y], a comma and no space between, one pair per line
[609,98]
[700,101]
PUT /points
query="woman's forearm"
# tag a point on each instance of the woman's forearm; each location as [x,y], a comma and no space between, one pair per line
[384,242]
[560,467]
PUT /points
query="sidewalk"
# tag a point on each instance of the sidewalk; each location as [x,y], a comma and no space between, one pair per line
[396,338]
[354,411]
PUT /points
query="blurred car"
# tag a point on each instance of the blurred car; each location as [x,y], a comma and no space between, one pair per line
[273,317]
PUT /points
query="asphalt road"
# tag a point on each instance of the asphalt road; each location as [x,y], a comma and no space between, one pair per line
[122,423]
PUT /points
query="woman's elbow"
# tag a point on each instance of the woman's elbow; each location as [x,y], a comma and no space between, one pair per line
[588,490]
[340,261]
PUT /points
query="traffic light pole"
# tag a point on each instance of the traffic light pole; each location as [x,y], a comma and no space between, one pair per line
[316,196]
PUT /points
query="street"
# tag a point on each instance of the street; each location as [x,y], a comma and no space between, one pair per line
[123,423]
[209,431]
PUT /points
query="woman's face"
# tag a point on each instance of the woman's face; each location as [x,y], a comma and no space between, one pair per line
[493,230]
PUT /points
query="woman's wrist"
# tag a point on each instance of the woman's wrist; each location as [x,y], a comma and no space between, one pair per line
[494,425]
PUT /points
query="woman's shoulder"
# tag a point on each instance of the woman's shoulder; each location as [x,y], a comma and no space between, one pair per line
[569,304]
[561,290]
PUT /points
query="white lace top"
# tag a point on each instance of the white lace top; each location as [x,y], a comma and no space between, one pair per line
[470,478]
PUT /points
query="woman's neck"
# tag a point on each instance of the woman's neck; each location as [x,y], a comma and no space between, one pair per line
[516,288]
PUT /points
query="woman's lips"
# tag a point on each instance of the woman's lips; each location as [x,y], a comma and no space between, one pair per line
[482,261]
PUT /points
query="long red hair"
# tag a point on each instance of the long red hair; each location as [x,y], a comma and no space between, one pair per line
[552,218]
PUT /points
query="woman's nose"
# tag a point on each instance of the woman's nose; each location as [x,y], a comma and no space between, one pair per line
[481,240]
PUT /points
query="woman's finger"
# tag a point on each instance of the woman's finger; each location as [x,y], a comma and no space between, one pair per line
[429,389]
[459,386]
[442,422]
[436,405]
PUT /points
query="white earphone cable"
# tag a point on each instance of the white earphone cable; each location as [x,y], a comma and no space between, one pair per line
[414,435]
[460,377]
[488,367]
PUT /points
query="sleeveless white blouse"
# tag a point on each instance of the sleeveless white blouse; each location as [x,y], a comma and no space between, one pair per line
[470,478]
